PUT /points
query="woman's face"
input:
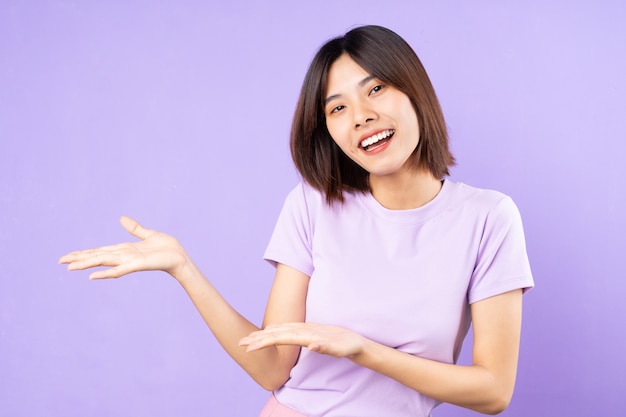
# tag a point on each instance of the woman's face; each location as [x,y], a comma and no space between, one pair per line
[374,124]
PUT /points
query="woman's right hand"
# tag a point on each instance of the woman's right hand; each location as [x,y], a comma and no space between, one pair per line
[154,251]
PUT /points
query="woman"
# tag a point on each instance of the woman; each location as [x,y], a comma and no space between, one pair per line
[381,263]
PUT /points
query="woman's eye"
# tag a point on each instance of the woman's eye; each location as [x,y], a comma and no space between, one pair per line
[376,89]
[336,109]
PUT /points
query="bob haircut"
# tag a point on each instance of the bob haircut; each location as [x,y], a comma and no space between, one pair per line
[387,56]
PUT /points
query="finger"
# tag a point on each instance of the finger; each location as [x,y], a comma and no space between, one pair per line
[104,274]
[316,344]
[82,254]
[271,329]
[75,256]
[134,228]
[117,272]
[250,339]
[287,326]
[66,259]
[284,325]
[262,341]
[93,260]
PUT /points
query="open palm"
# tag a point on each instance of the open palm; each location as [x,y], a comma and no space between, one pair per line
[154,251]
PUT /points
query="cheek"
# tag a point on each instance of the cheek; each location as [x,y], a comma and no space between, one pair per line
[337,134]
[410,116]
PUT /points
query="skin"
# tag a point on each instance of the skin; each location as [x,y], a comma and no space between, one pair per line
[357,106]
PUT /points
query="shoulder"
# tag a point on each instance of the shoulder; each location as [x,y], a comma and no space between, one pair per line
[304,196]
[484,208]
[479,200]
[303,204]
[468,194]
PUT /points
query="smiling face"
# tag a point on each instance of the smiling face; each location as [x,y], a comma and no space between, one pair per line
[373,123]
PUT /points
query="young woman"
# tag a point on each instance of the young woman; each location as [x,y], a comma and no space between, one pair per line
[381,262]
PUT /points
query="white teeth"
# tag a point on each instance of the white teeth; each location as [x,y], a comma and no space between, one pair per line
[375,138]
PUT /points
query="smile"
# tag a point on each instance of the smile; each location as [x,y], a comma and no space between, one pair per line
[377,139]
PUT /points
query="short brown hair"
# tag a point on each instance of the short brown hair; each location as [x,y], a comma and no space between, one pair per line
[387,56]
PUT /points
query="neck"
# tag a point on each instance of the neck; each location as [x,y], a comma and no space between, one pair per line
[409,190]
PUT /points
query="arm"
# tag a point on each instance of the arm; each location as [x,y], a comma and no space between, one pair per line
[159,251]
[270,367]
[485,386]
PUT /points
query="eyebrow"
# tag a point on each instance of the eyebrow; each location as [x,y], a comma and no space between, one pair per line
[361,84]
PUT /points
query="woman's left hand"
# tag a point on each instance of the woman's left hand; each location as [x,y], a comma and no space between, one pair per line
[329,340]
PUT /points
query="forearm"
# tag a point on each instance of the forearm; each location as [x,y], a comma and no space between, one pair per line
[473,387]
[267,367]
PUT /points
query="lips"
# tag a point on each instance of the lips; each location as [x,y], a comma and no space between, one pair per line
[376,140]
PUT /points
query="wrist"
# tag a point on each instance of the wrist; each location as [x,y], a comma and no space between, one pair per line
[184,270]
[368,354]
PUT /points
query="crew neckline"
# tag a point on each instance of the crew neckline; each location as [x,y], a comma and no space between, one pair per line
[414,215]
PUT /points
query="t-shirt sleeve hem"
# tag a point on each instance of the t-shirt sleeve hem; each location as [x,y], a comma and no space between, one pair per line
[274,259]
[525,283]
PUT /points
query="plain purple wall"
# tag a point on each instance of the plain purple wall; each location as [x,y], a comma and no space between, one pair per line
[178,113]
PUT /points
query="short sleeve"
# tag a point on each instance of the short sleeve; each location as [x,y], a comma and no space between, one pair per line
[502,263]
[290,243]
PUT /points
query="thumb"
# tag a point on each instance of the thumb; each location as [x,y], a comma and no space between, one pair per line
[134,228]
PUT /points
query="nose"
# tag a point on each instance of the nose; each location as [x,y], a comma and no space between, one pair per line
[363,114]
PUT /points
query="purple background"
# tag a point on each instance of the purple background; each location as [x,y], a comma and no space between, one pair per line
[178,113]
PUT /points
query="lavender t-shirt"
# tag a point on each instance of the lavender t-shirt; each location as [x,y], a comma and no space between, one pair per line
[403,278]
